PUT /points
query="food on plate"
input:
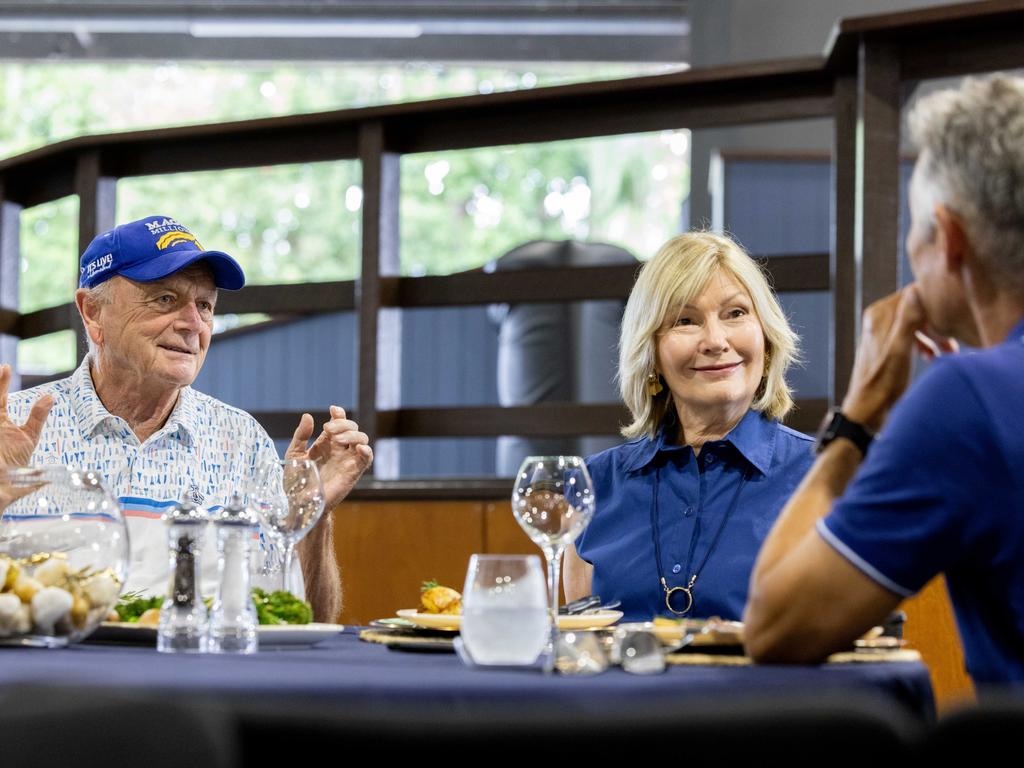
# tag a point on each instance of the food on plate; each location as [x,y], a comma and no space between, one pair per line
[41,594]
[281,608]
[271,608]
[133,605]
[435,598]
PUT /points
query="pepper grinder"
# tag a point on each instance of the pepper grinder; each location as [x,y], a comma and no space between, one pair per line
[183,619]
[233,620]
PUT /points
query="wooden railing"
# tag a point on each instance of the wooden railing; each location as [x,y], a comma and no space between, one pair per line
[860,83]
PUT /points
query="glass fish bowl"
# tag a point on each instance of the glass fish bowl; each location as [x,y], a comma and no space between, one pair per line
[63,555]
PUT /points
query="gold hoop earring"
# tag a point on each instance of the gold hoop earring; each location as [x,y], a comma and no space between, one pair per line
[654,386]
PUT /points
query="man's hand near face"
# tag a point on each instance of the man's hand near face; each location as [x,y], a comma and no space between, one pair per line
[892,330]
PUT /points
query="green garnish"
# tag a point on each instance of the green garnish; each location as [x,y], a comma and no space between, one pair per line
[281,608]
[429,584]
[271,607]
[131,606]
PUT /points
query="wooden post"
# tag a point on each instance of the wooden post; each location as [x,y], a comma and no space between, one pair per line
[876,231]
[844,275]
[380,176]
[97,202]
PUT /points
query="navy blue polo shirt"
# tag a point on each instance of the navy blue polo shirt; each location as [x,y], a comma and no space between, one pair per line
[941,491]
[694,496]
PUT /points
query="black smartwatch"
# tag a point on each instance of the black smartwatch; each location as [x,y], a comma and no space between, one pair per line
[836,425]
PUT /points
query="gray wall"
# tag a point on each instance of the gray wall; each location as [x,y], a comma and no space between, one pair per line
[737,31]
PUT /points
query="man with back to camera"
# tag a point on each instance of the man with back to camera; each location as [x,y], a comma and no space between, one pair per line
[146,295]
[940,489]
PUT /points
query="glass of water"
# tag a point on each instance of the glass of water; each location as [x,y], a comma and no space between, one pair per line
[504,609]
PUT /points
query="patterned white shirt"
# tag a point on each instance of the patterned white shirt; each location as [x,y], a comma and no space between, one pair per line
[207,450]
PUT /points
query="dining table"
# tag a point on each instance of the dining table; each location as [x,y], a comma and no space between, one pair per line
[342,670]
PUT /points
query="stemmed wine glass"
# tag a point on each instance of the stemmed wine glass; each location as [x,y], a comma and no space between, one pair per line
[553,501]
[289,499]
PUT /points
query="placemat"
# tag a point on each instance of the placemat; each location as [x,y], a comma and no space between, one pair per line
[846,657]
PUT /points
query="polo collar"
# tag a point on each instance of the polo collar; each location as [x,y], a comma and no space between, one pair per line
[753,438]
[91,414]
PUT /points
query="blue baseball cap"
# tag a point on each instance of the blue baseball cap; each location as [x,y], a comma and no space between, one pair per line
[150,249]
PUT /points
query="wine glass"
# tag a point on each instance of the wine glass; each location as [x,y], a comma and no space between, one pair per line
[289,499]
[553,501]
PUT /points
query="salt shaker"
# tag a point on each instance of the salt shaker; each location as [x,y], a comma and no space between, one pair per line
[183,618]
[233,618]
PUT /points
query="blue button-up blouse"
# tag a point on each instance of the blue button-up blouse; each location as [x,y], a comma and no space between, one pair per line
[694,496]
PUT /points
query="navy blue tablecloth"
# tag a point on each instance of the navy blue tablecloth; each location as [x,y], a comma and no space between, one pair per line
[343,670]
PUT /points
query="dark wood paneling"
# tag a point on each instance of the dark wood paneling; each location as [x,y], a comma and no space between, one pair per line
[477,488]
[44,321]
[807,415]
[542,419]
[380,169]
[525,286]
[803,272]
[964,51]
[584,115]
[282,424]
[877,212]
[845,276]
[491,421]
[303,298]
[9,321]
[939,30]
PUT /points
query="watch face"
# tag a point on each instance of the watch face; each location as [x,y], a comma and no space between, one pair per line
[837,425]
[827,430]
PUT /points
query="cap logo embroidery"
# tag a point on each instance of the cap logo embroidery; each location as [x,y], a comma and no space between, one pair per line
[173,238]
[96,266]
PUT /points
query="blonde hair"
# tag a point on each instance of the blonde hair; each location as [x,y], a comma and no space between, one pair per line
[679,272]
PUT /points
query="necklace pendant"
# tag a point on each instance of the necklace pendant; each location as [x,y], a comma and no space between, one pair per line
[682,597]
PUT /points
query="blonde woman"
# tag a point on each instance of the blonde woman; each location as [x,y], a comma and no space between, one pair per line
[684,506]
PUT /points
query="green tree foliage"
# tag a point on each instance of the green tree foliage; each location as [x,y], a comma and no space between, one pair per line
[302,223]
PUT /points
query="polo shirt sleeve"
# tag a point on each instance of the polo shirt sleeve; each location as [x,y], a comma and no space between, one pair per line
[600,468]
[905,516]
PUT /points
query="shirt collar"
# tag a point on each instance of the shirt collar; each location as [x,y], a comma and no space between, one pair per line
[91,414]
[86,404]
[753,438]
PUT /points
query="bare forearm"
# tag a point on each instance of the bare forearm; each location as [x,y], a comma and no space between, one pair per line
[320,570]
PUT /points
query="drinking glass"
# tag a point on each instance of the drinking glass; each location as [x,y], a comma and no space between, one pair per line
[504,609]
[553,501]
[289,499]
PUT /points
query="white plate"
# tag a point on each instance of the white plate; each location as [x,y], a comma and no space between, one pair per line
[269,634]
[452,622]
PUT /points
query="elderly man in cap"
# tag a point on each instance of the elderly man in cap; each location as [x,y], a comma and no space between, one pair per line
[147,295]
[940,488]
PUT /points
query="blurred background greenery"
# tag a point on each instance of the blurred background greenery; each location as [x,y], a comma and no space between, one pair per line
[301,223]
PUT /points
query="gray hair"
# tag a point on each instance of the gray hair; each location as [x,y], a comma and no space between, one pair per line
[972,148]
[99,295]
